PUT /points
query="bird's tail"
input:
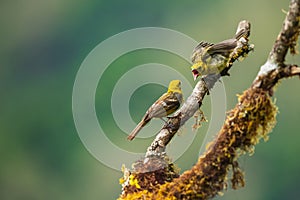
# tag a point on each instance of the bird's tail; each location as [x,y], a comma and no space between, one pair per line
[137,129]
[243,30]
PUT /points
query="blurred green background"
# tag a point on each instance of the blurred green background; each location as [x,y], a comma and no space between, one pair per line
[43,44]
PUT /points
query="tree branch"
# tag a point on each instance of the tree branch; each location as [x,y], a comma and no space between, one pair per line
[275,69]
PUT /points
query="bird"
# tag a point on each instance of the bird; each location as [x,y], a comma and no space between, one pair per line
[209,58]
[168,103]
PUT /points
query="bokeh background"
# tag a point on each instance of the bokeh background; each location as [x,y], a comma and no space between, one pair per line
[43,44]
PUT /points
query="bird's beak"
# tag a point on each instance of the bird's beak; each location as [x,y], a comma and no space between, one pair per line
[195,74]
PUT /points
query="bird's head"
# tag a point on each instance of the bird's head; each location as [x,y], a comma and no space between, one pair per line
[175,86]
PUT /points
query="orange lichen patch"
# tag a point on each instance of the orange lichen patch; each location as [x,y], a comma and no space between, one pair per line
[252,119]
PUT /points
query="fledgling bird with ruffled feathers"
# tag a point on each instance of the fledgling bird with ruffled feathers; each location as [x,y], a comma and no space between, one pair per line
[209,58]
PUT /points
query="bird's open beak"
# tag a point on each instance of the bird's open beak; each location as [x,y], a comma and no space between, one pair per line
[195,74]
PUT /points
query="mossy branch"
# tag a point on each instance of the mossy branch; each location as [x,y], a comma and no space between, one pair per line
[251,119]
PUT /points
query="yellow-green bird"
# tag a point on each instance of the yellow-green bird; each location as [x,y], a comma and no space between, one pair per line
[168,103]
[211,58]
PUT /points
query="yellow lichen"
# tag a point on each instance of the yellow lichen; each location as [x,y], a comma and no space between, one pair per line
[133,181]
[121,180]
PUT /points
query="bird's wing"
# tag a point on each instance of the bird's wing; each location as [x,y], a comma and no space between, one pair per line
[199,49]
[225,47]
[202,44]
[165,105]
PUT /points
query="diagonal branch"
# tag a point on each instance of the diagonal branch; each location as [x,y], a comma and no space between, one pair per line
[194,101]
